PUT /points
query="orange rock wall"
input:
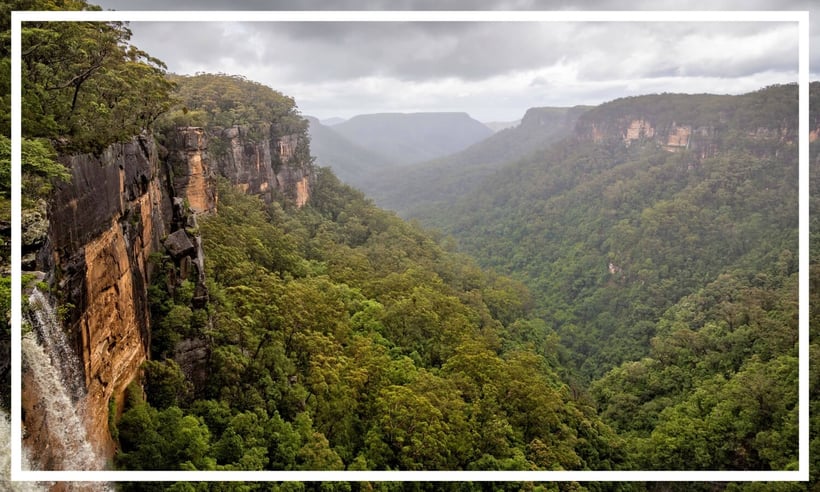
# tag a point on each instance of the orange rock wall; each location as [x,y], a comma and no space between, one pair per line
[302,191]
[103,226]
[117,209]
[679,136]
[110,330]
[637,130]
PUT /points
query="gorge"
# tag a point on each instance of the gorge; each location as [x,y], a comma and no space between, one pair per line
[136,260]
[611,287]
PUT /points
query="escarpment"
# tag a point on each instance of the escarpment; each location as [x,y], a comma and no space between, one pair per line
[121,208]
[103,225]
[700,125]
[258,159]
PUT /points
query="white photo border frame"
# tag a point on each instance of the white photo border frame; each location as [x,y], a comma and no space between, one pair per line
[801,18]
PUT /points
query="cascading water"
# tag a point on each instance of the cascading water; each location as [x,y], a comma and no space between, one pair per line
[52,375]
[55,343]
[5,461]
[62,417]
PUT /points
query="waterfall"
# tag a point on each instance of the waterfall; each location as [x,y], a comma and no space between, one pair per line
[62,417]
[5,461]
[55,343]
[52,376]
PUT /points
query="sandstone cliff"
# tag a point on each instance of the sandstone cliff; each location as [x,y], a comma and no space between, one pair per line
[700,125]
[133,200]
[102,227]
[258,160]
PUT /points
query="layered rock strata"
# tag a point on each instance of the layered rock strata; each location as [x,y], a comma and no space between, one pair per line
[258,160]
[122,206]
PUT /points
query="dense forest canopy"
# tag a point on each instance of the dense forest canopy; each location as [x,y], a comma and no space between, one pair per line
[670,277]
[357,343]
[649,319]
[85,86]
[345,338]
[609,236]
[688,346]
[208,100]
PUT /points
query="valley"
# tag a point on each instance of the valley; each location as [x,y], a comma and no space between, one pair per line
[216,282]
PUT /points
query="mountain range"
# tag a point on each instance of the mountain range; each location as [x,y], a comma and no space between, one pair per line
[392,139]
[413,188]
[418,190]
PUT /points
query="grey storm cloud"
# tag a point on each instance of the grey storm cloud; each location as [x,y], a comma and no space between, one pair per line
[337,67]
[471,51]
[405,51]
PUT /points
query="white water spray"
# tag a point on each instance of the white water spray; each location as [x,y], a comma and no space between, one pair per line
[53,376]
[5,461]
[55,343]
[63,419]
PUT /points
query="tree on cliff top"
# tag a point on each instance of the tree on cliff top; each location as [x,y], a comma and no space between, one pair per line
[208,99]
[85,85]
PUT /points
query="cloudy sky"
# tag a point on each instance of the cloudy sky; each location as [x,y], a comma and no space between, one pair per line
[494,71]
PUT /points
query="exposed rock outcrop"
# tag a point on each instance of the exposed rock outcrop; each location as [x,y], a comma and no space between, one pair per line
[628,131]
[121,207]
[190,168]
[678,137]
[699,125]
[34,225]
[179,244]
[702,141]
[103,226]
[260,160]
[638,130]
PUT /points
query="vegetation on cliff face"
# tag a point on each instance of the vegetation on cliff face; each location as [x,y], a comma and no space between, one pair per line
[227,100]
[84,85]
[217,102]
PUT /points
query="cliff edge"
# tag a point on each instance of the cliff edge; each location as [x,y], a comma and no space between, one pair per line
[122,206]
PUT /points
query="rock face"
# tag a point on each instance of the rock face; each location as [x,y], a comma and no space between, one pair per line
[702,141]
[103,226]
[678,138]
[179,244]
[124,205]
[638,130]
[697,125]
[190,169]
[260,160]
[671,137]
